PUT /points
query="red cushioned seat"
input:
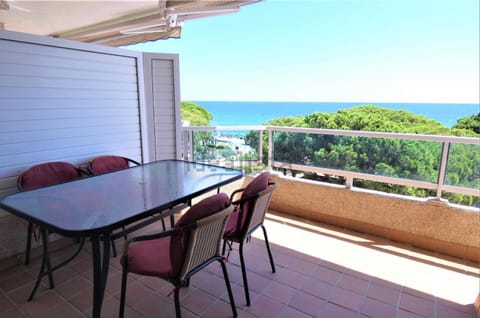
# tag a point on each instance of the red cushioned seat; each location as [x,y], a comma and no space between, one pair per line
[236,223]
[104,164]
[168,252]
[248,216]
[42,175]
[46,174]
[110,163]
[178,254]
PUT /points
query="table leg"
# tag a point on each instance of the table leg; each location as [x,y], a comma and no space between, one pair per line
[46,267]
[100,271]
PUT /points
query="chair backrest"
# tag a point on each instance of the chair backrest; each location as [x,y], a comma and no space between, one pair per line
[259,208]
[252,207]
[205,241]
[179,244]
[104,164]
[46,174]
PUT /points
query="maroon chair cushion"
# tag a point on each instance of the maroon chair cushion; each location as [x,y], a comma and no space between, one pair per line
[105,164]
[232,222]
[202,209]
[164,257]
[257,185]
[151,258]
[48,174]
[238,218]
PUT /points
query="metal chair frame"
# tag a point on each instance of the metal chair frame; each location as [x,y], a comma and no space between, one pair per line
[46,267]
[92,172]
[203,248]
[255,218]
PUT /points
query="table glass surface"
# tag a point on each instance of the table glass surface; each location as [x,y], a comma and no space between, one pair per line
[110,200]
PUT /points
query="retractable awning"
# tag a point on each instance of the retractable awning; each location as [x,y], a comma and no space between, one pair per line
[110,22]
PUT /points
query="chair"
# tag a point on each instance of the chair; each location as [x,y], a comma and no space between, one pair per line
[109,163]
[248,216]
[41,175]
[104,164]
[177,254]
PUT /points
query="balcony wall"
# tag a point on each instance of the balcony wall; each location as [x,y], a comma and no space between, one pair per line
[428,224]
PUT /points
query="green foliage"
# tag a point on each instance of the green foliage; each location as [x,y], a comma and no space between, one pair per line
[373,118]
[195,114]
[470,123]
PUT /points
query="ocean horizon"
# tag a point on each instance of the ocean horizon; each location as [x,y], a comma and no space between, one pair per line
[239,113]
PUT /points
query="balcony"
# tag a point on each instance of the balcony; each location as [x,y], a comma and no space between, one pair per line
[349,252]
[322,271]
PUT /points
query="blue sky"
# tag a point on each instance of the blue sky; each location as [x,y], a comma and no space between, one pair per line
[332,51]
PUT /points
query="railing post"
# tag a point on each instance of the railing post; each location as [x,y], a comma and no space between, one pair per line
[270,150]
[349,182]
[260,147]
[188,145]
[443,168]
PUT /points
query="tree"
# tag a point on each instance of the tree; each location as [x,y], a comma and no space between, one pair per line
[195,114]
[471,123]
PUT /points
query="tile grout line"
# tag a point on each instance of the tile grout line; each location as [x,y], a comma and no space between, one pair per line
[397,310]
[365,298]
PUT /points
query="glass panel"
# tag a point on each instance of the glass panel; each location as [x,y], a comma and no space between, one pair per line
[226,146]
[463,167]
[418,160]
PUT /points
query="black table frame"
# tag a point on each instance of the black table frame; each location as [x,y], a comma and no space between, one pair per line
[190,179]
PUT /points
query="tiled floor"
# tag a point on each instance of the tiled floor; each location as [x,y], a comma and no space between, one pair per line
[322,271]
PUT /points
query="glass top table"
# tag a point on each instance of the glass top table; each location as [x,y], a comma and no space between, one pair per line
[95,206]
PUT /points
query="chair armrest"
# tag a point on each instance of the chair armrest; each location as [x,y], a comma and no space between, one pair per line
[234,193]
[134,161]
[155,236]
[244,199]
[140,238]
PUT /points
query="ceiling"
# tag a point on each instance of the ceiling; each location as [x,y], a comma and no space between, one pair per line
[110,22]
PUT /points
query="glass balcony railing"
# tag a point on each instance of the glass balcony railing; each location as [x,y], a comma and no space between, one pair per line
[236,146]
[444,167]
[463,168]
[377,156]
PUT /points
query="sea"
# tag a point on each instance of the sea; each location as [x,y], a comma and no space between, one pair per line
[236,113]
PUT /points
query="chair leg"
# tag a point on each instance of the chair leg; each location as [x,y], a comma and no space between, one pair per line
[123,291]
[29,243]
[244,275]
[114,248]
[49,266]
[272,264]
[176,298]
[224,246]
[163,225]
[229,288]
